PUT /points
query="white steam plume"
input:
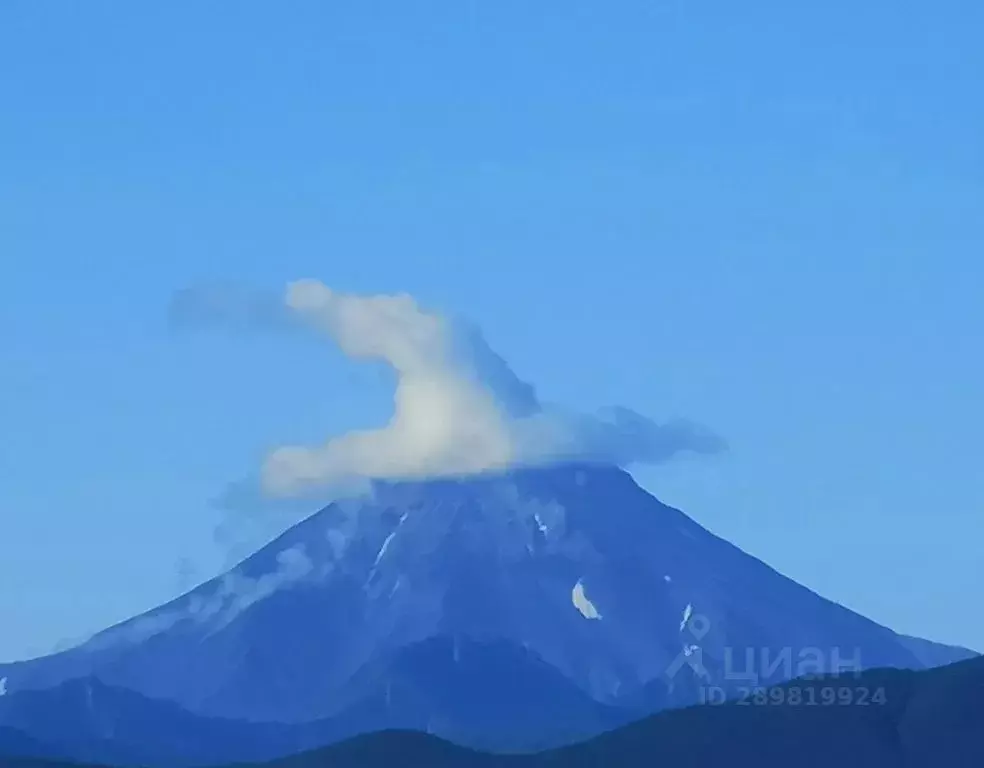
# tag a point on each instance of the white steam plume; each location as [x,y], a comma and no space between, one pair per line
[443,423]
[458,409]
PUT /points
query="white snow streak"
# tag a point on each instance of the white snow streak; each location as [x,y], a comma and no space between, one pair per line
[382,549]
[687,613]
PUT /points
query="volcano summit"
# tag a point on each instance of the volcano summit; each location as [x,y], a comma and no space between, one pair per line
[507,611]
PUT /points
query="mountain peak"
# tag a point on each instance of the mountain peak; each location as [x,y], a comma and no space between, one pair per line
[571,568]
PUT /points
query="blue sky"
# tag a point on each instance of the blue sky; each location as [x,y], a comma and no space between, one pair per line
[764,216]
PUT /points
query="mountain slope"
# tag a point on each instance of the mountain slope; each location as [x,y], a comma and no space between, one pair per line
[87,720]
[908,720]
[384,613]
[925,720]
[17,743]
[92,722]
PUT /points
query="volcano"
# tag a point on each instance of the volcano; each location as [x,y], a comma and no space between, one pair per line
[509,611]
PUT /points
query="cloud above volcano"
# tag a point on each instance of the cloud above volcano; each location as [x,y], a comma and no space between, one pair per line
[458,408]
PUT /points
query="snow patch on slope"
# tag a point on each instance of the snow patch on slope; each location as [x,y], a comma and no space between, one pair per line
[382,549]
[582,603]
[687,613]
